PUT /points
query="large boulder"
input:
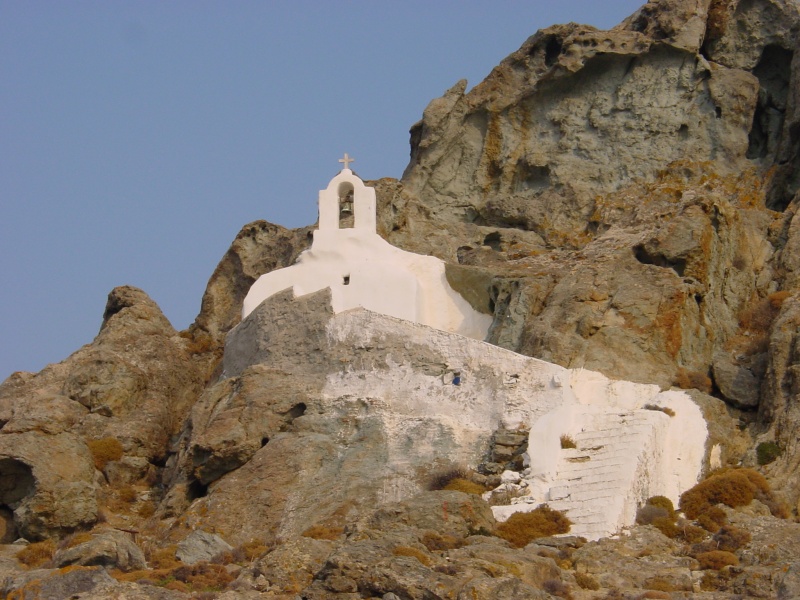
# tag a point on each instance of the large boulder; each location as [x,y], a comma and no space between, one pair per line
[48,482]
[134,382]
[107,548]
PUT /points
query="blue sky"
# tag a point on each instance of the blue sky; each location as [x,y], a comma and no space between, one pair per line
[137,138]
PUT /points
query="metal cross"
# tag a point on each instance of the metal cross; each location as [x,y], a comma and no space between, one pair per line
[346,160]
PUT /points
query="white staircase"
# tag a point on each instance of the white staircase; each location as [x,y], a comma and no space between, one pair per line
[596,484]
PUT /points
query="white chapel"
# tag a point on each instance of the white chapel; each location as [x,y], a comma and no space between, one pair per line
[364,270]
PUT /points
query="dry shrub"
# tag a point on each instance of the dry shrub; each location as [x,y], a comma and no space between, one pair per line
[659,584]
[104,451]
[198,342]
[666,526]
[146,509]
[714,580]
[323,532]
[648,513]
[557,588]
[732,487]
[664,409]
[177,586]
[690,533]
[412,552]
[586,581]
[249,551]
[712,518]
[759,317]
[662,502]
[76,539]
[567,442]
[203,576]
[163,558]
[687,380]
[436,542]
[127,494]
[716,560]
[223,558]
[464,485]
[448,569]
[655,595]
[440,479]
[731,538]
[37,554]
[523,527]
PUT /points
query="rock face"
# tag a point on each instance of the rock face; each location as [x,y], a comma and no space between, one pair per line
[134,383]
[622,201]
[320,414]
[48,481]
[626,199]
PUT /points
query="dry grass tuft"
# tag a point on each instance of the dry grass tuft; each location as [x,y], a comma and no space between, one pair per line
[146,509]
[464,485]
[688,380]
[440,479]
[730,538]
[323,532]
[567,442]
[436,542]
[104,451]
[586,581]
[412,552]
[76,539]
[665,409]
[127,494]
[163,558]
[37,554]
[523,527]
[249,551]
[716,560]
[557,588]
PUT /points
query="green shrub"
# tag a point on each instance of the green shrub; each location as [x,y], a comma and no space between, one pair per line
[716,560]
[767,452]
[523,527]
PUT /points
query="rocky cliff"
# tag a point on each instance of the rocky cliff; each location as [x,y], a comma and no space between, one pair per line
[622,201]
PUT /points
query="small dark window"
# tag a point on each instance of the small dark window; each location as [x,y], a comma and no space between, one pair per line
[346,280]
